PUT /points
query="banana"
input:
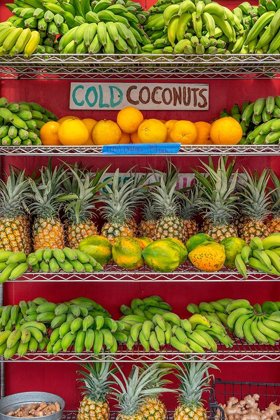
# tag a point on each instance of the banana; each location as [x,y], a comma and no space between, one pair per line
[170,12]
[111,324]
[98,342]
[79,342]
[172,30]
[22,349]
[274,258]
[199,319]
[236,304]
[263,258]
[108,339]
[193,308]
[199,339]
[181,335]
[257,265]
[239,43]
[268,332]
[4,337]
[37,334]
[168,333]
[14,314]
[204,306]
[13,339]
[209,23]
[250,339]
[261,23]
[269,307]
[234,315]
[186,325]
[146,329]
[31,45]
[258,335]
[207,337]
[135,331]
[182,348]
[171,317]
[99,322]
[238,326]
[9,353]
[154,341]
[273,325]
[197,348]
[55,336]
[25,336]
[58,321]
[57,347]
[5,315]
[227,29]
[67,341]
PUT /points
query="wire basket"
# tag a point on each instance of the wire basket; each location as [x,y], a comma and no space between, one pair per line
[221,391]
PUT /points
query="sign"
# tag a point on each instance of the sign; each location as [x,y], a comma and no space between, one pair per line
[141,149]
[148,96]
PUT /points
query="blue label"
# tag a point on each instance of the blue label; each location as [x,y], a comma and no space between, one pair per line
[141,149]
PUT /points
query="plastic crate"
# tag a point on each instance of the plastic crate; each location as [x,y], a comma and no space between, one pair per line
[221,391]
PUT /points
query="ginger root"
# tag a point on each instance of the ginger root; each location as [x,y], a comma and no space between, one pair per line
[247,409]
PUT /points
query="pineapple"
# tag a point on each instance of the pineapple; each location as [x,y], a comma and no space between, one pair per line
[47,229]
[255,205]
[133,393]
[147,226]
[95,389]
[14,223]
[154,405]
[218,201]
[188,210]
[80,192]
[194,380]
[120,200]
[274,223]
[166,204]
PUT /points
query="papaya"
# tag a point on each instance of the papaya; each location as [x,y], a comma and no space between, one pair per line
[163,256]
[208,256]
[196,240]
[233,247]
[144,241]
[183,249]
[127,253]
[98,248]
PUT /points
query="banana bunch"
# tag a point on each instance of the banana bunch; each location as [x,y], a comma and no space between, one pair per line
[151,322]
[216,316]
[78,325]
[261,255]
[201,27]
[20,123]
[12,265]
[258,323]
[101,26]
[67,260]
[259,120]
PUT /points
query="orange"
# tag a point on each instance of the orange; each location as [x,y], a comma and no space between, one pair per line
[152,131]
[203,133]
[169,124]
[69,117]
[125,138]
[226,131]
[73,132]
[129,119]
[49,133]
[183,132]
[89,123]
[134,137]
[106,132]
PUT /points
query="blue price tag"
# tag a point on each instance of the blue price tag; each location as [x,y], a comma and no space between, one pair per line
[142,149]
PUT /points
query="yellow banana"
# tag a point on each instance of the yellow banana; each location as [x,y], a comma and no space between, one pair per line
[32,44]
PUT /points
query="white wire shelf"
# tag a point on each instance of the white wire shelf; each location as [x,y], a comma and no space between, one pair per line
[72,415]
[196,150]
[240,352]
[186,273]
[151,66]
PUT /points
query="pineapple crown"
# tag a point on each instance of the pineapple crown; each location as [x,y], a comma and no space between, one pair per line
[218,189]
[135,389]
[122,196]
[194,379]
[46,190]
[164,194]
[95,380]
[13,194]
[255,197]
[160,370]
[275,195]
[190,205]
[148,211]
[80,188]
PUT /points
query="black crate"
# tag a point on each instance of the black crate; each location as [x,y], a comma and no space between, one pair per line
[221,391]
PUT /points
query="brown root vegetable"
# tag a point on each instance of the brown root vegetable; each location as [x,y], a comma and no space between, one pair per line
[35,410]
[271,412]
[248,409]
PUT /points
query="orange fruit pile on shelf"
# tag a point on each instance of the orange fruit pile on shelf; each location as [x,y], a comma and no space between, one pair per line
[131,127]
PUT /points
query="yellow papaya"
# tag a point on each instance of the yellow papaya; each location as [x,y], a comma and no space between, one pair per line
[208,256]
[163,256]
[196,240]
[144,241]
[126,253]
[98,248]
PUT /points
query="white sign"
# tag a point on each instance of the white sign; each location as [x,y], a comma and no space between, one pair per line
[148,96]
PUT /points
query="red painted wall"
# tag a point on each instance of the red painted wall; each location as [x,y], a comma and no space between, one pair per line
[60,378]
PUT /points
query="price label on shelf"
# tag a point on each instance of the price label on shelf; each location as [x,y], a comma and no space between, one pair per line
[142,149]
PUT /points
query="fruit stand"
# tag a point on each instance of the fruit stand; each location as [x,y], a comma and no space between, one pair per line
[47,80]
